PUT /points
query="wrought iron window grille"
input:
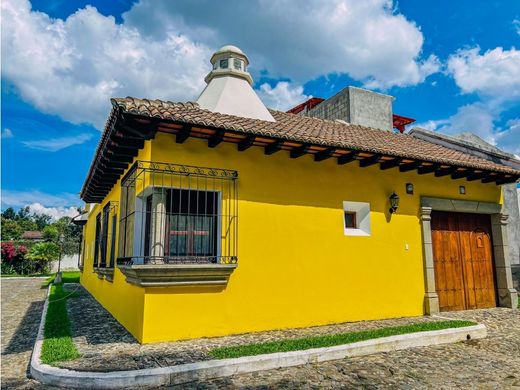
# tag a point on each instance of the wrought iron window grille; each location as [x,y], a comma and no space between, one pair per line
[106,225]
[178,214]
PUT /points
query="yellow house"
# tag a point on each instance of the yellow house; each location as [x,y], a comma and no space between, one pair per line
[222,217]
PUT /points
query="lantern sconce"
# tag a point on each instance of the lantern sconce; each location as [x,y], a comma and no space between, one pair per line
[394,202]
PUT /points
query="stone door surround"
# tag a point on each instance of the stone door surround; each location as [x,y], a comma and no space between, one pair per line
[507,295]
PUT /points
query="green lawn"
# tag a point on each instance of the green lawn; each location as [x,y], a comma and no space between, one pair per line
[57,343]
[67,277]
[331,340]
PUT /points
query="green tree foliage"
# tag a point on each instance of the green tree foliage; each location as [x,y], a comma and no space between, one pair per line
[51,233]
[9,213]
[11,230]
[41,220]
[46,251]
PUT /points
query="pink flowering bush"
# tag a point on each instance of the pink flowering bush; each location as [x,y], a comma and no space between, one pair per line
[15,261]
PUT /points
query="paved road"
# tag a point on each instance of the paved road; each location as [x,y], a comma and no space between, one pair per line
[22,305]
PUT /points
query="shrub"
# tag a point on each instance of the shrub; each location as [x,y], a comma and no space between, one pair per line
[42,255]
[13,259]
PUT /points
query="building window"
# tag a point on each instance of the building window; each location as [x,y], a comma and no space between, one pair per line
[104,235]
[224,63]
[178,214]
[237,64]
[356,217]
[98,239]
[350,220]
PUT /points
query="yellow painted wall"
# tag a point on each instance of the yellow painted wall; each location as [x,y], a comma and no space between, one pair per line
[295,265]
[123,300]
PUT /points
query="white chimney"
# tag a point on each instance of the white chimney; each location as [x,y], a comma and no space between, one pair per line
[229,89]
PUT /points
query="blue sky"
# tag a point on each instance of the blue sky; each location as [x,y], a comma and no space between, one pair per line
[452,65]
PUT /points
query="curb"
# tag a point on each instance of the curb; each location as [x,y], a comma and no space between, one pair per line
[191,372]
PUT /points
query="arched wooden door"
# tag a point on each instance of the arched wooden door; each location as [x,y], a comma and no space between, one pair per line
[463,259]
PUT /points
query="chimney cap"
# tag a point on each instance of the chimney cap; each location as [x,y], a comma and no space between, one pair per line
[229,49]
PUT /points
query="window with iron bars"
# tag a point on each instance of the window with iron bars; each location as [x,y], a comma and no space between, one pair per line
[178,214]
[106,225]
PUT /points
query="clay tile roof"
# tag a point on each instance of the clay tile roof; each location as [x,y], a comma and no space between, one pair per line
[32,235]
[310,130]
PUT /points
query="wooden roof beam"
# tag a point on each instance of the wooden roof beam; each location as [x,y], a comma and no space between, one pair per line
[246,143]
[390,163]
[182,135]
[367,161]
[273,148]
[460,174]
[324,154]
[491,178]
[346,158]
[445,172]
[476,176]
[428,169]
[410,166]
[299,151]
[215,139]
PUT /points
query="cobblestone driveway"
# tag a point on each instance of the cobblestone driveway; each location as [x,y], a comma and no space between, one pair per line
[22,305]
[491,363]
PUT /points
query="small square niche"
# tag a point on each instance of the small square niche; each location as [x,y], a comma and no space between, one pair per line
[356,218]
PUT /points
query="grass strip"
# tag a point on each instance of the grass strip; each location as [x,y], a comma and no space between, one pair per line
[287,345]
[67,277]
[57,341]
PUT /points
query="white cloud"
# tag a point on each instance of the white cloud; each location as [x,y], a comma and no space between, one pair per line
[369,40]
[283,96]
[54,212]
[72,67]
[516,25]
[509,139]
[7,133]
[496,73]
[480,118]
[15,198]
[55,144]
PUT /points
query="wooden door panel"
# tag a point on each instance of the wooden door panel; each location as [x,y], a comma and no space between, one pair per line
[448,267]
[463,260]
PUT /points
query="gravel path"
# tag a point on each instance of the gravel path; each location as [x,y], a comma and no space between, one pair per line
[22,305]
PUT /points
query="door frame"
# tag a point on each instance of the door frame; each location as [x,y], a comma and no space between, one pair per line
[507,295]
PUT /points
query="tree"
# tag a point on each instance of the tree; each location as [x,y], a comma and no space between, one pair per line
[27,224]
[41,220]
[9,213]
[47,251]
[11,230]
[51,233]
[23,213]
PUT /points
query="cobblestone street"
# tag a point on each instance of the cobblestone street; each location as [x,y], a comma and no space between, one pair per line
[22,305]
[492,363]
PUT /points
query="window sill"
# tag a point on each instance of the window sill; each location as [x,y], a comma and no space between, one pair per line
[168,275]
[105,273]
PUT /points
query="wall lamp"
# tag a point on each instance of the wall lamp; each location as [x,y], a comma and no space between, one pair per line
[394,202]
